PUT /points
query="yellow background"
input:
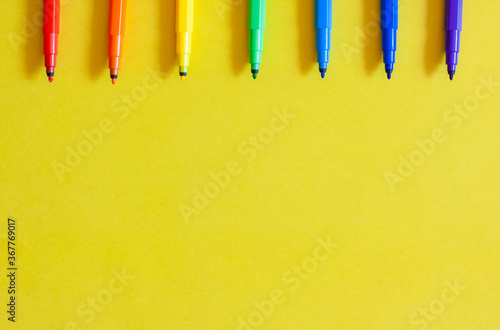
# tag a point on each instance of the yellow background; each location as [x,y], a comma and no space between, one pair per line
[322,177]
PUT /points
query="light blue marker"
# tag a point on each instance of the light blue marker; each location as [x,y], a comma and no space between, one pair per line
[323,24]
[389,26]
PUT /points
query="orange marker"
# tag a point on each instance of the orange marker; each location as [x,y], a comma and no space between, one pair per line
[117,13]
[51,9]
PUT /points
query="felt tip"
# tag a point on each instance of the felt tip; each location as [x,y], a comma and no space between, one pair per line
[113,80]
[254,75]
[51,79]
[323,75]
[389,73]
[452,74]
[183,73]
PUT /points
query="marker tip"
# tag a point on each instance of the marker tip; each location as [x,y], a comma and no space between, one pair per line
[255,75]
[183,73]
[452,74]
[51,79]
[323,75]
[113,80]
[389,73]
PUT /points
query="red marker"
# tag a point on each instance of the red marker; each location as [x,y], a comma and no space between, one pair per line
[117,13]
[51,9]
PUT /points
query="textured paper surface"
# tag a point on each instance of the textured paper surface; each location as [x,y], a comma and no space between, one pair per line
[306,210]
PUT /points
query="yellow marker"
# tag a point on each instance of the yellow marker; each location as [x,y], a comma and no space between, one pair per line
[184,30]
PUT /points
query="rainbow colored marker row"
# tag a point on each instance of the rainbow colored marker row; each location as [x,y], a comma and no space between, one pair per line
[323,24]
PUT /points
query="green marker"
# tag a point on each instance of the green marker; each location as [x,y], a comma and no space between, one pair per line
[256,25]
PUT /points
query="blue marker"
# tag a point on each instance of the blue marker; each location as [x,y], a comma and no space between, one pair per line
[389,26]
[323,24]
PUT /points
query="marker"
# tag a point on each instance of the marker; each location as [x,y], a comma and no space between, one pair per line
[117,13]
[51,11]
[389,25]
[184,30]
[323,24]
[453,27]
[256,26]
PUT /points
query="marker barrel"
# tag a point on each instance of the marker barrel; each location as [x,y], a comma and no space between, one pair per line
[256,27]
[256,47]
[453,27]
[184,29]
[50,49]
[323,25]
[389,43]
[389,25]
[117,15]
[51,14]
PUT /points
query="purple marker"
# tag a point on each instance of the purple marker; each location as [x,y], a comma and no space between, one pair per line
[453,27]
